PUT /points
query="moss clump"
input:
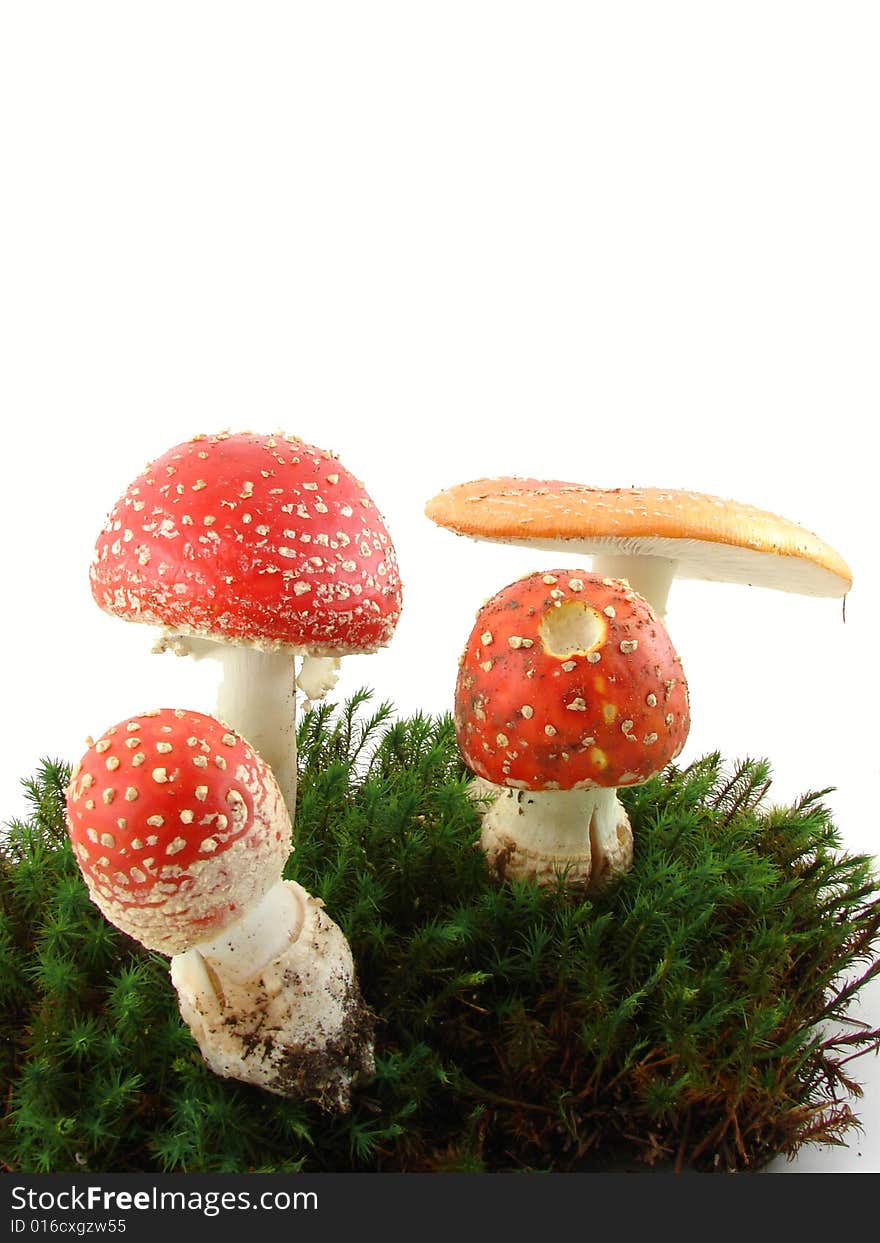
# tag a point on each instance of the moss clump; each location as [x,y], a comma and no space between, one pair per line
[694,1014]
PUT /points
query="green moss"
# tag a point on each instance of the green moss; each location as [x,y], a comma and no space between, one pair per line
[693,1014]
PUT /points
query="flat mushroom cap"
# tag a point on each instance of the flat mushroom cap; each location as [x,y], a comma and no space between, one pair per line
[177,825]
[707,537]
[569,681]
[259,540]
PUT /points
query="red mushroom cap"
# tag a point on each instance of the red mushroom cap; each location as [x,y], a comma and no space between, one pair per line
[569,681]
[178,826]
[260,540]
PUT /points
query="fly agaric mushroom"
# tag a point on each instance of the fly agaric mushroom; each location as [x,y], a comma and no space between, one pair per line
[255,550]
[647,536]
[568,689]
[181,834]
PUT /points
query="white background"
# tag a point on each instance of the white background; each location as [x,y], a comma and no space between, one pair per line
[613,243]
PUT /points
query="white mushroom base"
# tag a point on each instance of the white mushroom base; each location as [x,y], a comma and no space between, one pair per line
[582,836]
[274,1002]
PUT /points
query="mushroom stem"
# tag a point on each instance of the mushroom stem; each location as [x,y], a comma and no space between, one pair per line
[257,697]
[242,949]
[651,577]
[536,835]
[611,840]
[273,1001]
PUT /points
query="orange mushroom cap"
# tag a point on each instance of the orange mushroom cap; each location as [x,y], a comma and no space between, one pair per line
[707,537]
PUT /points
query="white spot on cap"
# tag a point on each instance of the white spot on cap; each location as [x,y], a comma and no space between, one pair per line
[160,775]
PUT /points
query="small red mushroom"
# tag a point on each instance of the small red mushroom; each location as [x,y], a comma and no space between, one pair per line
[177,825]
[568,688]
[181,834]
[254,549]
